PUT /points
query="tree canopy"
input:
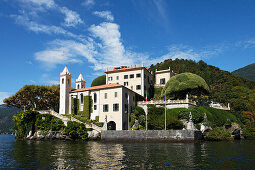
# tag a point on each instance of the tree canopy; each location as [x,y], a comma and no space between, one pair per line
[44,97]
[101,80]
[184,83]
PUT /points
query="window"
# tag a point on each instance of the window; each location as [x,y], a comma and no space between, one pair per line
[125,76]
[78,86]
[95,107]
[117,77]
[131,76]
[138,87]
[63,81]
[81,96]
[105,95]
[105,108]
[138,75]
[95,97]
[126,83]
[115,107]
[67,81]
[117,83]
[163,81]
[126,107]
[115,94]
[109,78]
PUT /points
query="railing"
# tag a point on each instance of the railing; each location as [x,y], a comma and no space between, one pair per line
[220,107]
[186,101]
[70,118]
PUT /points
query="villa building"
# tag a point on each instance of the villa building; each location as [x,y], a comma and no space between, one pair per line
[113,102]
[162,76]
[137,79]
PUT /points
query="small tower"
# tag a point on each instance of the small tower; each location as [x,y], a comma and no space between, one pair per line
[65,89]
[80,82]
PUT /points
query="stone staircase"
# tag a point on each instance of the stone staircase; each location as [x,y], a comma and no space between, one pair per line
[65,119]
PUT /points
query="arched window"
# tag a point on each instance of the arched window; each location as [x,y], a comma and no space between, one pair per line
[95,97]
[81,95]
[78,86]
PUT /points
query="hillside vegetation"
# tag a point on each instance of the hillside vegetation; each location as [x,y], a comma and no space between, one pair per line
[6,122]
[224,86]
[247,72]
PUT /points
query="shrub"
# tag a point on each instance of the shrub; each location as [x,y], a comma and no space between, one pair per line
[181,84]
[197,117]
[76,130]
[97,118]
[101,80]
[48,122]
[87,106]
[24,122]
[173,123]
[218,134]
[249,129]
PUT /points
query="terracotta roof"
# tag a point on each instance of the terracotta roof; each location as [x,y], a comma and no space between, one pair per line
[106,86]
[125,69]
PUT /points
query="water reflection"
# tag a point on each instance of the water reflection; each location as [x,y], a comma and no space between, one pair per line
[99,155]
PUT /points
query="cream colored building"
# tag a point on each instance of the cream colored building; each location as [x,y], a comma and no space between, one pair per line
[112,103]
[137,79]
[162,76]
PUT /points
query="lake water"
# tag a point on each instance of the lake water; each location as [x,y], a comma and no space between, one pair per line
[121,155]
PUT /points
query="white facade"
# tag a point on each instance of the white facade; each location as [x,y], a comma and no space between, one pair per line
[111,103]
[65,89]
[80,82]
[137,79]
[162,76]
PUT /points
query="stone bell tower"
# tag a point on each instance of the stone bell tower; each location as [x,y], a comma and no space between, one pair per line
[65,89]
[80,82]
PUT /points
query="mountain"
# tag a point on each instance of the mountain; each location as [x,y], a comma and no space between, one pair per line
[247,72]
[6,114]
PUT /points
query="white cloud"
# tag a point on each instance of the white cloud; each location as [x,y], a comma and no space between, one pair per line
[65,51]
[71,17]
[53,82]
[111,51]
[32,7]
[46,3]
[3,95]
[88,3]
[41,28]
[104,14]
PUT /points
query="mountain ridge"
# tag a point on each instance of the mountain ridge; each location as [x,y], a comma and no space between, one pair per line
[247,72]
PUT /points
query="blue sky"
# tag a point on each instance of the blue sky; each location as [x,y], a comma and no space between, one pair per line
[39,37]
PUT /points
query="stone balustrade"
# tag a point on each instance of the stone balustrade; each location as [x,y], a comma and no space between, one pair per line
[186,101]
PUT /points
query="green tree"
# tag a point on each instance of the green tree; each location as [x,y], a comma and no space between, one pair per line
[182,84]
[44,97]
[101,80]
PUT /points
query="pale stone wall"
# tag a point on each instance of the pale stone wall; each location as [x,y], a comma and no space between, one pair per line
[132,82]
[152,135]
[110,100]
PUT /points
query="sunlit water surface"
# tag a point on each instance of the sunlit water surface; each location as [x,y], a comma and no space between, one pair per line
[124,155]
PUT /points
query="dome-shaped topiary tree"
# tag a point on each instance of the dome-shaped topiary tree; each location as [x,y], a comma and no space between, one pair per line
[101,80]
[185,83]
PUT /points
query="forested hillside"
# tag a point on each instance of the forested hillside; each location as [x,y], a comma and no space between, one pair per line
[224,86]
[247,72]
[6,114]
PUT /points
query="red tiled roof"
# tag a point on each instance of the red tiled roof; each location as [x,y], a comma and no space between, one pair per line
[105,86]
[125,69]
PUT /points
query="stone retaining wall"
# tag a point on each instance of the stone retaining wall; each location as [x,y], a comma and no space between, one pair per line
[151,135]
